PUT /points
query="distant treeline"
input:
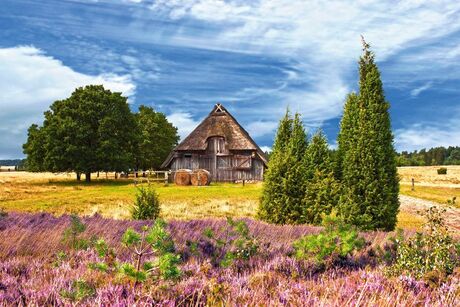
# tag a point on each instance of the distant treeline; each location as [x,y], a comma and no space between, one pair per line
[14,162]
[433,156]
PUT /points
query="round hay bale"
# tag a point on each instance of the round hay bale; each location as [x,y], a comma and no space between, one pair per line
[182,177]
[200,177]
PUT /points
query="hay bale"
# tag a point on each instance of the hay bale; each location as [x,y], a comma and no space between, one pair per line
[200,177]
[182,177]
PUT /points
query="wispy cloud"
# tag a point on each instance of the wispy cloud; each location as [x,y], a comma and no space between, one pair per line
[427,135]
[416,91]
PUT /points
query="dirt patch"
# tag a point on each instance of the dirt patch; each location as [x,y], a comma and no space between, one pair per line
[414,205]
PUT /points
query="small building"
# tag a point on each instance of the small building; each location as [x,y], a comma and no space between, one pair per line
[220,145]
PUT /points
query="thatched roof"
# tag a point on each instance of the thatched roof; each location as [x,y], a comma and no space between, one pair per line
[218,123]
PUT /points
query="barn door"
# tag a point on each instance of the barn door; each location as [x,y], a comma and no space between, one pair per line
[224,168]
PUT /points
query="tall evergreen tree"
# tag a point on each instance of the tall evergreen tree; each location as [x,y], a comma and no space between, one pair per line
[347,134]
[322,189]
[369,174]
[295,177]
[272,199]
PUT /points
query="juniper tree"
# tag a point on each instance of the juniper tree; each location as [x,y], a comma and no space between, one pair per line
[295,178]
[322,190]
[274,179]
[347,133]
[369,174]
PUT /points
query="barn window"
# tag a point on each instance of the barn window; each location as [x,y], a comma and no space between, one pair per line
[187,155]
[216,145]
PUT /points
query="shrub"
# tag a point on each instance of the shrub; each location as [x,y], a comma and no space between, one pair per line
[336,241]
[71,236]
[79,290]
[147,204]
[3,213]
[237,244]
[452,201]
[442,171]
[150,241]
[430,253]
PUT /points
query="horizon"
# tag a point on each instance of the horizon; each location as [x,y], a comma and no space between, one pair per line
[256,59]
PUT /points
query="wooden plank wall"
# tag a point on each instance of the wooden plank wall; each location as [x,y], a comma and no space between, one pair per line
[223,167]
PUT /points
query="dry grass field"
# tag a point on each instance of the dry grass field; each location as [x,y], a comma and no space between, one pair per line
[429,185]
[428,176]
[60,193]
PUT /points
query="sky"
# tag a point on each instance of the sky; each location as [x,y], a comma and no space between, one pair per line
[255,57]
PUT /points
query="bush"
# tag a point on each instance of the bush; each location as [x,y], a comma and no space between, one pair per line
[151,241]
[79,290]
[452,201]
[147,204]
[72,234]
[335,242]
[237,244]
[3,213]
[429,253]
[442,171]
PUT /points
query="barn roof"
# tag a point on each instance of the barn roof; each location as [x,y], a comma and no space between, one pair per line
[218,123]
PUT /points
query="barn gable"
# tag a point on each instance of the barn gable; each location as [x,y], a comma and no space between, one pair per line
[222,146]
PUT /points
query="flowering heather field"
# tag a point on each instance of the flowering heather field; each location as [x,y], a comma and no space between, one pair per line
[31,274]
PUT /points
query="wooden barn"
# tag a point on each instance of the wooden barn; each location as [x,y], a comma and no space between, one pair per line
[220,145]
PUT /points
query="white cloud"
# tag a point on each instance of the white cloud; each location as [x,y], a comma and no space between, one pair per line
[416,91]
[184,123]
[266,148]
[428,135]
[261,128]
[322,38]
[30,81]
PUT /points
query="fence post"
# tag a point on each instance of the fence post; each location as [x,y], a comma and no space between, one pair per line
[413,184]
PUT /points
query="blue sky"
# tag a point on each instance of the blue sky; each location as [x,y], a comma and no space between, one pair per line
[255,57]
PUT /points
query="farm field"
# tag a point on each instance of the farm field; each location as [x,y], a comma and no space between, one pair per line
[428,176]
[61,194]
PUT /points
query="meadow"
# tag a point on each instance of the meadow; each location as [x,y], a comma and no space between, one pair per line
[38,268]
[62,194]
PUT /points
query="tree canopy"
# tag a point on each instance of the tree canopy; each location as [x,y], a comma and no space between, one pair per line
[94,130]
[156,138]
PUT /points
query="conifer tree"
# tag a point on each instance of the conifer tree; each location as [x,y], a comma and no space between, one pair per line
[295,177]
[272,199]
[347,133]
[322,189]
[369,174]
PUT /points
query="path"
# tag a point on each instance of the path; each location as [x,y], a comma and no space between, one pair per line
[413,204]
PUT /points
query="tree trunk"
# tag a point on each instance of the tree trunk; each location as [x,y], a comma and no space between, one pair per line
[78,176]
[88,176]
